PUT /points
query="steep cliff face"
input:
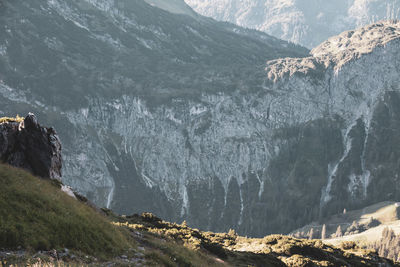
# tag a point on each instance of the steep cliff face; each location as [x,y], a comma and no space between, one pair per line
[207,136]
[107,73]
[320,137]
[27,145]
[307,22]
[352,78]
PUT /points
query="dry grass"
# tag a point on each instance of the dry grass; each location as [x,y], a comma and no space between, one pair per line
[275,250]
[11,119]
[36,215]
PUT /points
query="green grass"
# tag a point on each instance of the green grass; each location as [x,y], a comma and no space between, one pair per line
[35,214]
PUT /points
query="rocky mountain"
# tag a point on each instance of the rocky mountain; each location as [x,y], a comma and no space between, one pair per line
[174,6]
[180,116]
[307,22]
[115,78]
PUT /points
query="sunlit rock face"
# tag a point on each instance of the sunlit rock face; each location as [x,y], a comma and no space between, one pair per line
[307,22]
[183,117]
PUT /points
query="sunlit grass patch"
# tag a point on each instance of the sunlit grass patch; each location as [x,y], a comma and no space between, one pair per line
[11,119]
[35,214]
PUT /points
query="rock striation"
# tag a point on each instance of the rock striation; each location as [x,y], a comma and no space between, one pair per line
[30,146]
[320,136]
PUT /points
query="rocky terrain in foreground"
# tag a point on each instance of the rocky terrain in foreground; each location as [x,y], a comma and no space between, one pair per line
[52,228]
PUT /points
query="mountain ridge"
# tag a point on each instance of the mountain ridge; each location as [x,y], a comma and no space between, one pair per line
[174,6]
[171,49]
[305,22]
[337,50]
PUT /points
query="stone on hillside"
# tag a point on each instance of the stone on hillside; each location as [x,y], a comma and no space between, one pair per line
[32,147]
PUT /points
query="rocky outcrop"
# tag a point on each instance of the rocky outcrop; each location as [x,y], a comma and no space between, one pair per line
[335,52]
[30,146]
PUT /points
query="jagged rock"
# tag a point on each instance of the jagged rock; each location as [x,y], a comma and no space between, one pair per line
[30,146]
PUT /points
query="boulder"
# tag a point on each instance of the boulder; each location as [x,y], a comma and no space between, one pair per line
[30,146]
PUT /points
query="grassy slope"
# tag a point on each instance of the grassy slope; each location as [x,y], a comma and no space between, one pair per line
[35,214]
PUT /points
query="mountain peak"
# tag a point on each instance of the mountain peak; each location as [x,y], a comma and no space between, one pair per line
[338,50]
[173,6]
[350,44]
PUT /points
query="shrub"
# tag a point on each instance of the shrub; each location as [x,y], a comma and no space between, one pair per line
[346,245]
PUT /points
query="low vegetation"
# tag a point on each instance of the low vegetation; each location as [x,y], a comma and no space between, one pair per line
[11,119]
[215,245]
[274,250]
[36,215]
[41,224]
